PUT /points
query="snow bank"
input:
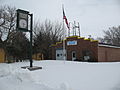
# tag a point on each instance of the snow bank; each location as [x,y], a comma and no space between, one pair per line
[60,75]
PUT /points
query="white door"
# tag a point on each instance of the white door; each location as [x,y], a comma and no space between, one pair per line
[73,55]
[59,54]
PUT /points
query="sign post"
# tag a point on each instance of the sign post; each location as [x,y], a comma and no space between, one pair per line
[31,29]
[22,25]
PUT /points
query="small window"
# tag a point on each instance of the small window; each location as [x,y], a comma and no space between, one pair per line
[57,55]
[73,54]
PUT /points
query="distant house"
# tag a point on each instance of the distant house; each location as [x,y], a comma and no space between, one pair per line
[38,56]
[7,58]
[2,55]
[81,49]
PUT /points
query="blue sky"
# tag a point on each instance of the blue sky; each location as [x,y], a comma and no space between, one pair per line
[94,15]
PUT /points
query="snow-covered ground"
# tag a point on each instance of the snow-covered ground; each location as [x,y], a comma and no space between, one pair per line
[60,75]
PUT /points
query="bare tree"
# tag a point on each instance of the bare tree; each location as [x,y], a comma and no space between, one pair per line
[8,21]
[2,18]
[46,34]
[112,36]
[13,42]
[18,47]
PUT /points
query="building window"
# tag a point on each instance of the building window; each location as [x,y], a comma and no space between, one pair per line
[57,55]
[87,55]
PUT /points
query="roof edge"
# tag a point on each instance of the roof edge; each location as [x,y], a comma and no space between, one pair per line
[110,46]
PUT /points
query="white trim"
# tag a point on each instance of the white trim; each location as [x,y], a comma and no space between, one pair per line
[73,58]
[102,45]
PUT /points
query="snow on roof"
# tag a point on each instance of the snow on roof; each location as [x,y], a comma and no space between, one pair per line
[106,45]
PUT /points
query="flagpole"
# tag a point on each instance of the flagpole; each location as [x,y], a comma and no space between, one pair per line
[64,52]
[69,30]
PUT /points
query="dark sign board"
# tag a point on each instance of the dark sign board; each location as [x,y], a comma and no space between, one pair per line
[22,20]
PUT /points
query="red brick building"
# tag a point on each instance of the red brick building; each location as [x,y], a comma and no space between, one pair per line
[81,49]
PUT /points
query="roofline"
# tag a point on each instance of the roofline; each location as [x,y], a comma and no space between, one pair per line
[110,46]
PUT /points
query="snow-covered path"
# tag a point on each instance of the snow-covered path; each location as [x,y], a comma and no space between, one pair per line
[60,75]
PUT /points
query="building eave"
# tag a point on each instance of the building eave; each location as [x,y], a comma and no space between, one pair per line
[109,46]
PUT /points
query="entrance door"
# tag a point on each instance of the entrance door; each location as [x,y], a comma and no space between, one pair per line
[73,55]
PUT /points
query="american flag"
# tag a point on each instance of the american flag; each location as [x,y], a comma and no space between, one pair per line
[66,21]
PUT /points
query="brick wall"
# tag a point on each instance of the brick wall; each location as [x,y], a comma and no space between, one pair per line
[98,52]
[108,53]
[82,45]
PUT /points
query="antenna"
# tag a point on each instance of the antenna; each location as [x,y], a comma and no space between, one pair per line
[79,28]
[76,28]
